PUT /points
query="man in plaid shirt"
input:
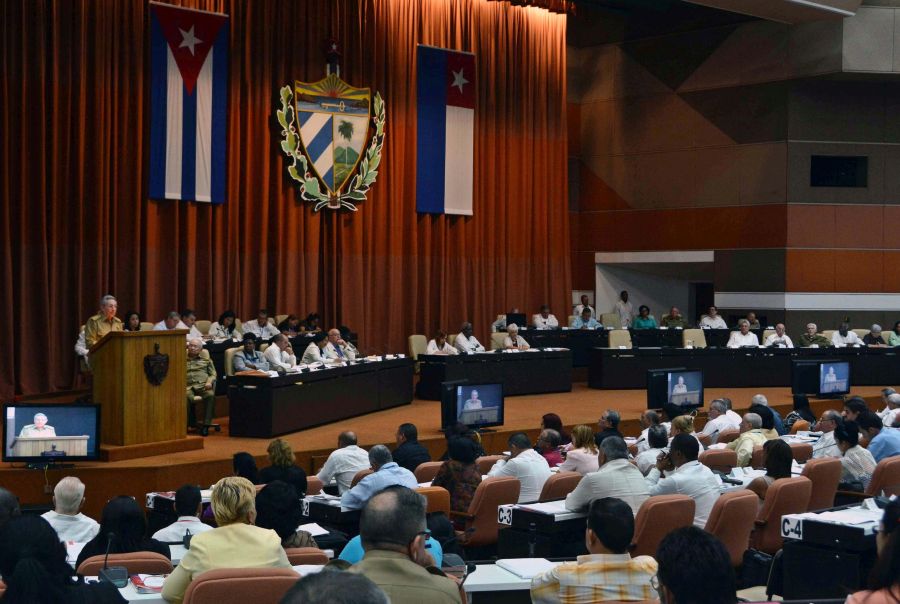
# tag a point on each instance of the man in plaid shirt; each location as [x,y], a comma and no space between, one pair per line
[608,573]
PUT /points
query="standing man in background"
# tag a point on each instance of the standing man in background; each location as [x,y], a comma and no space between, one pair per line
[624,309]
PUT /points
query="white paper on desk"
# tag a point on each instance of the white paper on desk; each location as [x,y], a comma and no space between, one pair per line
[549,507]
[851,516]
[313,529]
[308,569]
[324,497]
[526,568]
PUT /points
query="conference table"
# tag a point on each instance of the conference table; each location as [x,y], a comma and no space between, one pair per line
[263,407]
[619,369]
[521,372]
[578,341]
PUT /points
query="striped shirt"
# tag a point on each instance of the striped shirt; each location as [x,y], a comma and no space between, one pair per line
[596,578]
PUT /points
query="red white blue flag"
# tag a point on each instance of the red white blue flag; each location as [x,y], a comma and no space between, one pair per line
[446,131]
[188,103]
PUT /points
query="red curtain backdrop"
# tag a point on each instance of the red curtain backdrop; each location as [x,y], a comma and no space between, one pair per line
[76,222]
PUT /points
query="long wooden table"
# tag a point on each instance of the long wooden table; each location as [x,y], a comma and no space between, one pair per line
[615,369]
[263,407]
[529,372]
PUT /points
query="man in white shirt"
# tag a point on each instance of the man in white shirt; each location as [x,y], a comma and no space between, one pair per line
[743,337]
[172,321]
[624,309]
[189,320]
[467,343]
[712,320]
[657,442]
[188,506]
[544,319]
[843,337]
[66,517]
[344,463]
[684,475]
[648,419]
[315,352]
[513,341]
[339,349]
[617,477]
[525,464]
[892,407]
[732,416]
[719,420]
[500,324]
[280,355]
[826,445]
[584,304]
[779,339]
[81,349]
[261,328]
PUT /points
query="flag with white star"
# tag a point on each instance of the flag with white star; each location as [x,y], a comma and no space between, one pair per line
[188,103]
[445,154]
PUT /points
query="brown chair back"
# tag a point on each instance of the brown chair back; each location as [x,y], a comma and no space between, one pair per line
[705,440]
[657,517]
[425,472]
[886,477]
[722,460]
[731,521]
[360,475]
[481,522]
[825,474]
[800,425]
[486,462]
[726,436]
[559,485]
[802,452]
[438,499]
[784,496]
[150,563]
[758,458]
[313,485]
[305,555]
[240,585]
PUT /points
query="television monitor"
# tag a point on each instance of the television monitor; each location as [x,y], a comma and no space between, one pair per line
[475,405]
[821,377]
[50,433]
[678,387]
[834,378]
[518,318]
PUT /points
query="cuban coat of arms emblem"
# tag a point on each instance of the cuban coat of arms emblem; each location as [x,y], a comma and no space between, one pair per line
[333,134]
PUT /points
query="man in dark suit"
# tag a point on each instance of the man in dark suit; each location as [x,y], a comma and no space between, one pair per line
[409,453]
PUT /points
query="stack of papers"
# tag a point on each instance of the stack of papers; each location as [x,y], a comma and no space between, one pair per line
[313,529]
[526,568]
[550,507]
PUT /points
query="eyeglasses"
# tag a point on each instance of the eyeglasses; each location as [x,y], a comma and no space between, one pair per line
[654,583]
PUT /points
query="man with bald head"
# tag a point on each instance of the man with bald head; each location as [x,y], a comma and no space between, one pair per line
[779,339]
[344,462]
[338,348]
[826,445]
[201,381]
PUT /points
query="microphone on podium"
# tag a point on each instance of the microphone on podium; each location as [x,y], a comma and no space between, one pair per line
[117,575]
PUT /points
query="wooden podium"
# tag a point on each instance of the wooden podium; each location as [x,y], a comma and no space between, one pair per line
[34,446]
[136,413]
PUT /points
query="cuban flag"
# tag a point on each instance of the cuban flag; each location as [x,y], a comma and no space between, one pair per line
[446,131]
[188,103]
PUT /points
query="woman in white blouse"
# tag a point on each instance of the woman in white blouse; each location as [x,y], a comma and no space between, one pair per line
[439,345]
[226,327]
[582,457]
[513,340]
[857,463]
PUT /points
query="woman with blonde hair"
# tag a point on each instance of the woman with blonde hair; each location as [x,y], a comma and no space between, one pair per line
[684,424]
[582,457]
[281,456]
[235,543]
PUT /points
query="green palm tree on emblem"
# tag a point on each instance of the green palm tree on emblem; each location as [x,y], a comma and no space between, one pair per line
[346,129]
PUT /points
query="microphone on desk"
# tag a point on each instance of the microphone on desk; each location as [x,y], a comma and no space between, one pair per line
[117,575]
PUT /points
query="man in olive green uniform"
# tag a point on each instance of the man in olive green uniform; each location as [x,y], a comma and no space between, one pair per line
[811,337]
[673,319]
[201,381]
[393,533]
[103,322]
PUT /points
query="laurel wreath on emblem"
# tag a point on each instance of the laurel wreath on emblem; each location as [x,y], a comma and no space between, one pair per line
[310,190]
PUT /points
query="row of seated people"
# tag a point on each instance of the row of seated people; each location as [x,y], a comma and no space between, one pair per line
[465,342]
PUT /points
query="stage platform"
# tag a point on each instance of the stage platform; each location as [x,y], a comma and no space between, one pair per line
[523,413]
